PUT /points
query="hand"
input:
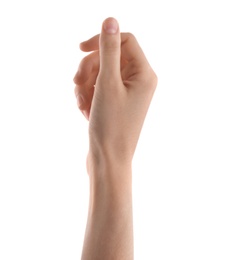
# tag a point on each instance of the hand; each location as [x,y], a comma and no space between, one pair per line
[114,88]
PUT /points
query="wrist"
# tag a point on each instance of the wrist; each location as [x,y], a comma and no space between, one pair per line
[106,164]
[108,175]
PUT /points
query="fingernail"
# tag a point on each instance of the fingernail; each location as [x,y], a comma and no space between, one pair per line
[80,100]
[110,26]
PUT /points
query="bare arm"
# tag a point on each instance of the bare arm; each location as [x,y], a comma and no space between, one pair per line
[109,232]
[114,87]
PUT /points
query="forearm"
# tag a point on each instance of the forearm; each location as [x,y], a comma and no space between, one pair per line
[109,231]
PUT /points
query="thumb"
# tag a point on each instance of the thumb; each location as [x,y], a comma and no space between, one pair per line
[109,46]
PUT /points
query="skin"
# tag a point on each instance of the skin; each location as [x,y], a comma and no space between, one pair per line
[114,87]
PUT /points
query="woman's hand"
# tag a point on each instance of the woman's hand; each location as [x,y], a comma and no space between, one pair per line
[114,87]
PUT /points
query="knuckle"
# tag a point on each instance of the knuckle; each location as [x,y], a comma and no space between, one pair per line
[76,91]
[154,80]
[83,63]
[149,80]
[129,37]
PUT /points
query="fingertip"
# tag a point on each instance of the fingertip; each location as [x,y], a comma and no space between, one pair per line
[80,101]
[81,45]
[91,44]
[86,114]
[110,25]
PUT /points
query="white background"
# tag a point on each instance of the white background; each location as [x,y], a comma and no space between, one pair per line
[179,164]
